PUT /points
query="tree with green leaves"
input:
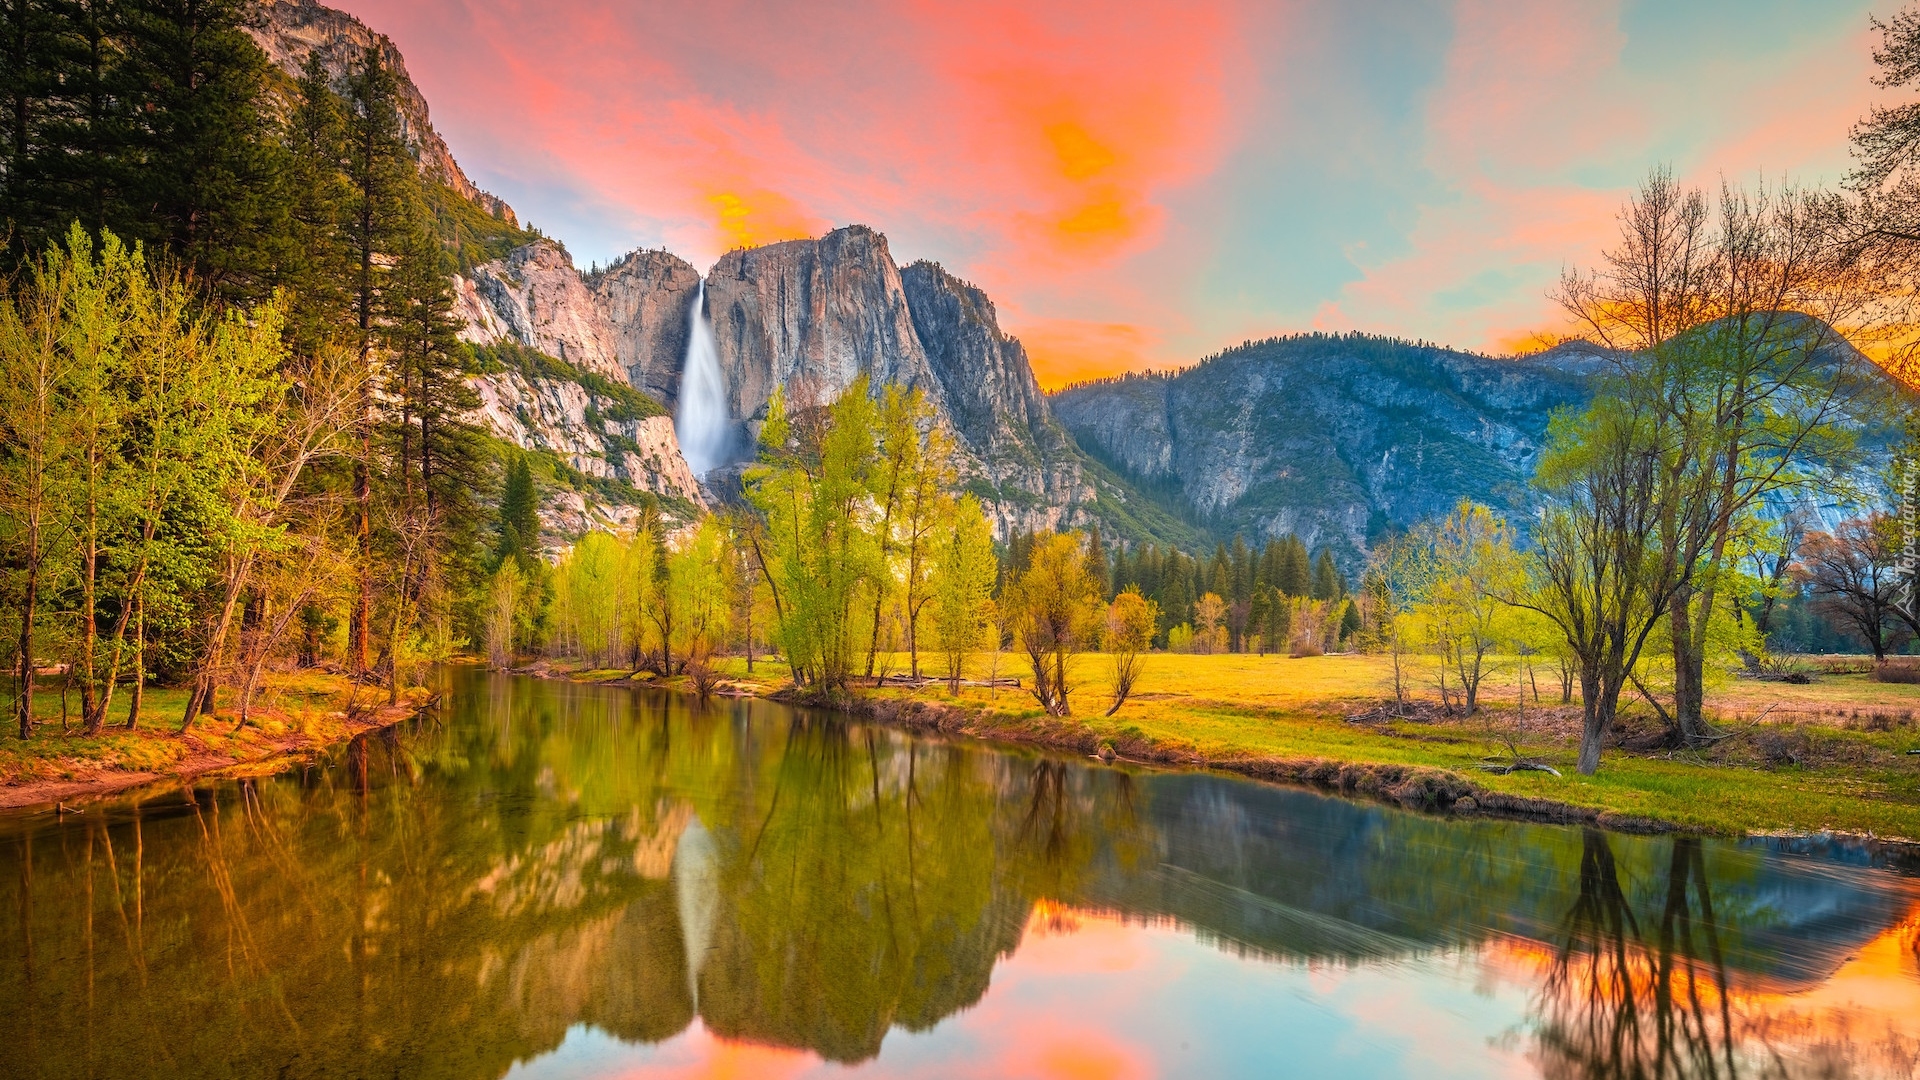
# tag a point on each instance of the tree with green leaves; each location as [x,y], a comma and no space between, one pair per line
[1730,320]
[1056,615]
[517,520]
[1601,575]
[964,568]
[1294,575]
[206,186]
[313,264]
[821,555]
[1327,582]
[381,184]
[1131,620]
[1460,602]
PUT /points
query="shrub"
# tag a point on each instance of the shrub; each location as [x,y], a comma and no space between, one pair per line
[1889,672]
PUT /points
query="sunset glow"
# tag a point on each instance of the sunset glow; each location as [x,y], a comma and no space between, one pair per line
[1142,187]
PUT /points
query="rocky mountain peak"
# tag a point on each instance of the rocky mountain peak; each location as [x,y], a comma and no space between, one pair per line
[535,294]
[984,371]
[646,297]
[289,31]
[812,316]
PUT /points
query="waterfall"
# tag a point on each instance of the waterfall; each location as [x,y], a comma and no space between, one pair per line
[702,425]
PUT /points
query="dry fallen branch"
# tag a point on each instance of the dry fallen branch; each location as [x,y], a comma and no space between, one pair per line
[1503,768]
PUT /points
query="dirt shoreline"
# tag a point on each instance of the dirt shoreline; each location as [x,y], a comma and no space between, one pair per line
[1414,787]
[108,780]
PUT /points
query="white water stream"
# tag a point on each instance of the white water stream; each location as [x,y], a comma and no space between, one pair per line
[702,425]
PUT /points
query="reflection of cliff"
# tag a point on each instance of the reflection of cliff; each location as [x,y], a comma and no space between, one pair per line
[454,900]
[1289,873]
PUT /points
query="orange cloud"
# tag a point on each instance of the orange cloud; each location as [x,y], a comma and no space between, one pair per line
[752,217]
[1067,351]
[1101,166]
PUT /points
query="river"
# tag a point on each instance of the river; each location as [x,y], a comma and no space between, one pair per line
[540,879]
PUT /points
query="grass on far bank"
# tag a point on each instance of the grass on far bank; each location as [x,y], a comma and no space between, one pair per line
[1828,755]
[292,709]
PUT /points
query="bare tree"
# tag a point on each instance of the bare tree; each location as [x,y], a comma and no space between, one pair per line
[1852,575]
[1726,323]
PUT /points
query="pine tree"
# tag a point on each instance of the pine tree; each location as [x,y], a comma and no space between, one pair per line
[518,526]
[381,179]
[1327,582]
[80,167]
[1295,578]
[29,33]
[1097,566]
[1271,561]
[427,368]
[1241,563]
[313,263]
[1349,621]
[204,167]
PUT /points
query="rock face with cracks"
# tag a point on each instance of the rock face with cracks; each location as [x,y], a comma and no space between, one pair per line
[807,317]
[1336,438]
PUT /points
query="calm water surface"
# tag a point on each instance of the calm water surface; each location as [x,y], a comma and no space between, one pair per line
[547,880]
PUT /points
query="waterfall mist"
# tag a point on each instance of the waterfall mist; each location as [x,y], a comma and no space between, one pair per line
[701,423]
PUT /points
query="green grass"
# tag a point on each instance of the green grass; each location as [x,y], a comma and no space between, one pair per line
[1850,734]
[297,708]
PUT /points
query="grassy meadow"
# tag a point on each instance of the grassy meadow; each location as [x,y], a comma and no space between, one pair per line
[1827,755]
[292,710]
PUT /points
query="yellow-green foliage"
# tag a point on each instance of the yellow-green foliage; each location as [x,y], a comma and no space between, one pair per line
[297,708]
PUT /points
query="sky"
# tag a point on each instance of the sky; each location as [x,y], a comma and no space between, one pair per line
[1138,185]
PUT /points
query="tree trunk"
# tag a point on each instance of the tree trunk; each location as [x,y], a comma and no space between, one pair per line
[1689,671]
[200,700]
[28,609]
[99,718]
[89,631]
[361,620]
[139,691]
[1594,726]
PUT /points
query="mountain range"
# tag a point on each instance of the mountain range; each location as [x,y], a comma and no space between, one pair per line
[1335,438]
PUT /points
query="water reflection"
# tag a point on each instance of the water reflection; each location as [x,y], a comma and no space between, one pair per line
[456,897]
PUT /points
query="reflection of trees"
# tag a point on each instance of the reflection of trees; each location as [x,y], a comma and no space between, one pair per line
[1046,828]
[859,892]
[1625,1001]
[445,899]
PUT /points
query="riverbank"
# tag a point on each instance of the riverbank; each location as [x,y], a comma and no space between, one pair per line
[1829,756]
[295,712]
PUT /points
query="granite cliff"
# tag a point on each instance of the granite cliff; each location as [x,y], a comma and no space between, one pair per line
[553,372]
[290,31]
[808,317]
[1335,438]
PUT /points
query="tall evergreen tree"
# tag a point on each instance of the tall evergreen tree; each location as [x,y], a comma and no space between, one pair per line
[1327,582]
[1097,566]
[1295,577]
[314,264]
[380,177]
[201,163]
[517,535]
